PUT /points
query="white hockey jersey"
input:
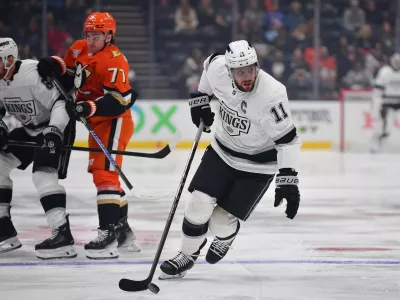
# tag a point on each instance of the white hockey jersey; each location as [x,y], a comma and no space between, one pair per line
[255,132]
[387,85]
[32,102]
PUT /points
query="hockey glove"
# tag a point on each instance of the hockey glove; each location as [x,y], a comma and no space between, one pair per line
[200,110]
[286,188]
[3,134]
[84,109]
[50,67]
[53,139]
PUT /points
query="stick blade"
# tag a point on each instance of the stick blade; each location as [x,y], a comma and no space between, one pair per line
[128,285]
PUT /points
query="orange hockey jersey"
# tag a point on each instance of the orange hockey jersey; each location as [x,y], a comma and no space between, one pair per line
[105,72]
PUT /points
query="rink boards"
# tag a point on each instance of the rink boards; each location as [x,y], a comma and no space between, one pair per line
[320,124]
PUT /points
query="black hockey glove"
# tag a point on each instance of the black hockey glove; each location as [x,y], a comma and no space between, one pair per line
[84,109]
[200,110]
[53,139]
[50,67]
[49,154]
[3,134]
[286,188]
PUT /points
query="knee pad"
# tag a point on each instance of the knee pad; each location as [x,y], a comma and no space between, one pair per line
[8,162]
[46,182]
[223,224]
[106,180]
[199,208]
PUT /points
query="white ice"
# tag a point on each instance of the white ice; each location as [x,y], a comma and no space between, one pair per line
[344,243]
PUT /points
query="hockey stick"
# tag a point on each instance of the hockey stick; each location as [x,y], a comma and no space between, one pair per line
[136,286]
[164,152]
[99,142]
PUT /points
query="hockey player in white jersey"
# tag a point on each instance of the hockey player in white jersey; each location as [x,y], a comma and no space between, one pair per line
[254,139]
[41,110]
[386,100]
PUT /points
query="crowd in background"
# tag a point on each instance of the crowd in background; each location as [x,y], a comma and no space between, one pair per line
[357,37]
[22,20]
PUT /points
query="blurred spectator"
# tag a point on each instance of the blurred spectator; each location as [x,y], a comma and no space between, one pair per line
[185,18]
[299,84]
[192,69]
[273,19]
[327,68]
[254,16]
[224,17]
[164,15]
[295,17]
[374,60]
[206,13]
[298,62]
[358,77]
[59,39]
[372,16]
[243,31]
[346,57]
[278,66]
[33,39]
[387,39]
[365,39]
[354,16]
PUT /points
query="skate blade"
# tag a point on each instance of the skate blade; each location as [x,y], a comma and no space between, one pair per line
[10,245]
[164,276]
[129,245]
[59,253]
[108,253]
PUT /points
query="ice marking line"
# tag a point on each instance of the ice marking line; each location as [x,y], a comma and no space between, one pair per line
[227,262]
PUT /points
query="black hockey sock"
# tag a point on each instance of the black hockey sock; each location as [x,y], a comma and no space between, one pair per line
[5,200]
[53,201]
[54,207]
[192,230]
[108,208]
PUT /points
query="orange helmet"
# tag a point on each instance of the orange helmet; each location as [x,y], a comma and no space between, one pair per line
[100,21]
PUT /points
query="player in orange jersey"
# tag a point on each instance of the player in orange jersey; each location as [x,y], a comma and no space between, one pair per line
[99,72]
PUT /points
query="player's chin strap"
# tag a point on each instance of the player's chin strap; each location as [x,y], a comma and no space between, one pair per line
[4,58]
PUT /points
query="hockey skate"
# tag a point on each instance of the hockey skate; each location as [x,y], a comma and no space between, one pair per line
[125,236]
[59,245]
[104,246]
[8,236]
[178,266]
[217,251]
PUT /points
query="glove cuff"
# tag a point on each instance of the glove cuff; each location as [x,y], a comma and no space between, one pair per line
[93,108]
[81,107]
[287,171]
[286,176]
[201,100]
[53,130]
[61,62]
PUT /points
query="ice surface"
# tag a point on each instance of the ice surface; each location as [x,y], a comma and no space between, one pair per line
[344,243]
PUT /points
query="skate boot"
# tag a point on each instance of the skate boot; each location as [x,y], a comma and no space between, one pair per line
[178,266]
[125,236]
[218,249]
[8,236]
[104,246]
[59,245]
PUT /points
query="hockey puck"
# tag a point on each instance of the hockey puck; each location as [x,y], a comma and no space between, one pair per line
[154,288]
